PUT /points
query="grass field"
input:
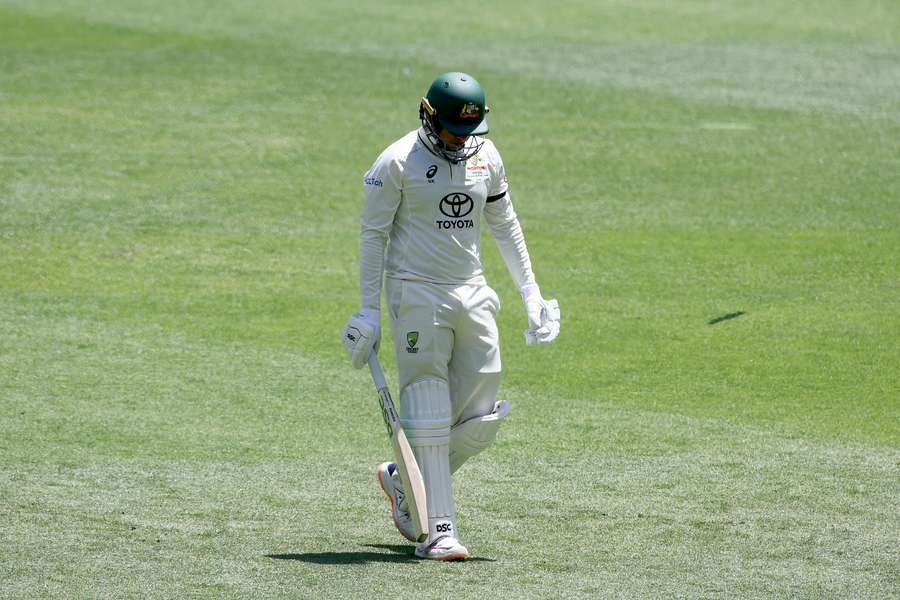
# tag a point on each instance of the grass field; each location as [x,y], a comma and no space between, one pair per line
[179,196]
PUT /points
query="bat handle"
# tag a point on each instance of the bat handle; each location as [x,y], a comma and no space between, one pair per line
[377,373]
[388,412]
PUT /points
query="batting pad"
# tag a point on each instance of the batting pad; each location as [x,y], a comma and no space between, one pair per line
[471,437]
[425,410]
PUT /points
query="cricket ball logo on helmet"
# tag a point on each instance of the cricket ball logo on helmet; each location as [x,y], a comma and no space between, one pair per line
[470,111]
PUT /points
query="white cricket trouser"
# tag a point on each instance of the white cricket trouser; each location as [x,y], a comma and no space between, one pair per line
[448,333]
[448,357]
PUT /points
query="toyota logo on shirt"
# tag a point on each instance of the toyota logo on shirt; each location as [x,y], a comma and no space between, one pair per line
[456,205]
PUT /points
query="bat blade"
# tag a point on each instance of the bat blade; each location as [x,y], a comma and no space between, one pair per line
[415,485]
[403,454]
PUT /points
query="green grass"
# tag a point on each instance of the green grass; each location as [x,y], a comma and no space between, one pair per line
[179,198]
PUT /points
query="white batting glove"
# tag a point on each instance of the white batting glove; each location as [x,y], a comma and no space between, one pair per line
[361,337]
[543,316]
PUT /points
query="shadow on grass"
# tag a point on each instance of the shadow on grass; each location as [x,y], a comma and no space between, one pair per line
[397,554]
[728,317]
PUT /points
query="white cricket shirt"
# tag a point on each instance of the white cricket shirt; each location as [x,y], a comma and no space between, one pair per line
[430,210]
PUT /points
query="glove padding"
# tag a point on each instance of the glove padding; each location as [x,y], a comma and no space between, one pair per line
[543,316]
[362,335]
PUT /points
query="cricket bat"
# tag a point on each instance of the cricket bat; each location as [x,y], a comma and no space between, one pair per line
[403,454]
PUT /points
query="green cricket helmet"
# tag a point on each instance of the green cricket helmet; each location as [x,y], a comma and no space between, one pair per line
[455,102]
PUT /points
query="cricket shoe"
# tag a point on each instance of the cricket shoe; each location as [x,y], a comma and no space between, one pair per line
[389,479]
[445,547]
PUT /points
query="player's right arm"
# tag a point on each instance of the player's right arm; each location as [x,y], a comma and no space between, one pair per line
[382,185]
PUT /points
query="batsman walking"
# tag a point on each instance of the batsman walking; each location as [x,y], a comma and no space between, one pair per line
[426,197]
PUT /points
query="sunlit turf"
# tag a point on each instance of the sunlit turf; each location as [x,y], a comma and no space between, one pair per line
[710,190]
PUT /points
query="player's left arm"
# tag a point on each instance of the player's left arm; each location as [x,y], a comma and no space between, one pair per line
[543,315]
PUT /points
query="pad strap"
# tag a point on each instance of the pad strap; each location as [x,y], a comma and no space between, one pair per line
[474,435]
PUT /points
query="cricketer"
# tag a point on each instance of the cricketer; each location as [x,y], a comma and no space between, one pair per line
[426,197]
